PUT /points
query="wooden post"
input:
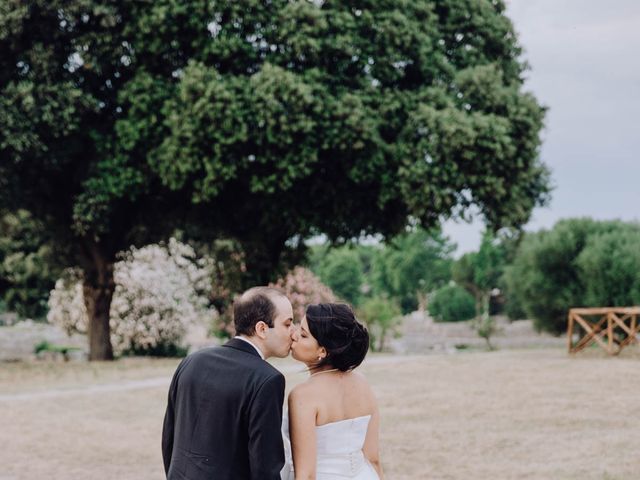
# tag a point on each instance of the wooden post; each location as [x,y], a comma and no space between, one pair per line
[610,333]
[570,333]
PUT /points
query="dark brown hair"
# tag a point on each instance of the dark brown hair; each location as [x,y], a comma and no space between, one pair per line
[335,327]
[253,306]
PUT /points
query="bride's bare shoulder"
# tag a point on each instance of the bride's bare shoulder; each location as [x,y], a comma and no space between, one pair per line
[358,378]
[302,390]
[303,398]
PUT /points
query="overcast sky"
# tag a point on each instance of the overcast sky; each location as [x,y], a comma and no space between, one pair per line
[585,67]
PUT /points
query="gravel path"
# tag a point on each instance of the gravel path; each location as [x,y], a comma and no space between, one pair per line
[156,382]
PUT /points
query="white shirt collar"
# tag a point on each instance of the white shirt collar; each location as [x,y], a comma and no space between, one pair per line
[252,344]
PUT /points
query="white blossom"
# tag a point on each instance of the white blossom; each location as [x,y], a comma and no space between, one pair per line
[161,290]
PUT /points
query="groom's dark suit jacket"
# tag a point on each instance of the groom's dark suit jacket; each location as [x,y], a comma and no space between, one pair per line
[224,417]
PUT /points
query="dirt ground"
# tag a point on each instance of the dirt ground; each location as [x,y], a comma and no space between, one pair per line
[527,414]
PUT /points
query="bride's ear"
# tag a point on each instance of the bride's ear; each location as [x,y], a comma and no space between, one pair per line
[322,353]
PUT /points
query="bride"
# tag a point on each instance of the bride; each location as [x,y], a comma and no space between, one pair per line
[333,422]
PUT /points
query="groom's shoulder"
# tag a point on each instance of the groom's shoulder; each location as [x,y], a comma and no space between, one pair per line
[239,358]
[206,352]
[203,358]
[270,370]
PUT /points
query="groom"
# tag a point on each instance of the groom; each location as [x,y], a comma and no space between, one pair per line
[224,414]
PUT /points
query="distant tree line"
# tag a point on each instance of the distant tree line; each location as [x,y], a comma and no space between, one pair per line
[579,262]
[540,275]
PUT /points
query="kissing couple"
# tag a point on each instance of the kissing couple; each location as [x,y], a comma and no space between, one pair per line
[224,415]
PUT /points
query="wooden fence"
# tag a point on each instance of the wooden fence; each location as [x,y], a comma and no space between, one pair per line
[613,328]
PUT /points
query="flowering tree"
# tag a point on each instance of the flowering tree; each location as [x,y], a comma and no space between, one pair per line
[66,303]
[302,288]
[160,291]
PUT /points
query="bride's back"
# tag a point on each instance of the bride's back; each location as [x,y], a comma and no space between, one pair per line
[340,396]
[345,443]
[334,421]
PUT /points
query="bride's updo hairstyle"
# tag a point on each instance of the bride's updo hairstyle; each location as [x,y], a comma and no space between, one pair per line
[335,327]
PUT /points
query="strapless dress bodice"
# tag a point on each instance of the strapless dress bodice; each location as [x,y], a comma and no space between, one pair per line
[339,450]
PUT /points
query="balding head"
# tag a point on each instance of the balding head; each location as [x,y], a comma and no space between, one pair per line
[253,306]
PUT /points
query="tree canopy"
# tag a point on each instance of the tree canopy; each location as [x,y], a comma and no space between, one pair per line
[28,266]
[265,122]
[413,264]
[342,271]
[480,272]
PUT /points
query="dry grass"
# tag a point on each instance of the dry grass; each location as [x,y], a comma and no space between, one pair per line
[36,376]
[535,414]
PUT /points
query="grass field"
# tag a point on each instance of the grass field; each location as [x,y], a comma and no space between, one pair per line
[536,414]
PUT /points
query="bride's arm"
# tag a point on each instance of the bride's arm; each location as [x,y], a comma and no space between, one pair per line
[302,429]
[371,448]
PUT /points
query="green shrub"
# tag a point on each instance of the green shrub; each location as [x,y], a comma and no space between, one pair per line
[452,304]
[610,265]
[45,346]
[382,316]
[513,308]
[578,263]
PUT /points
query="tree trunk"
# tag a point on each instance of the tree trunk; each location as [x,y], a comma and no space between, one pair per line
[482,302]
[486,298]
[422,301]
[98,287]
[489,345]
[383,335]
[478,300]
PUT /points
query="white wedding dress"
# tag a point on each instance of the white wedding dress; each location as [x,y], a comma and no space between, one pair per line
[339,451]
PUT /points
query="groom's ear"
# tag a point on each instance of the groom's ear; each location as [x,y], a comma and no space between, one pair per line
[261,329]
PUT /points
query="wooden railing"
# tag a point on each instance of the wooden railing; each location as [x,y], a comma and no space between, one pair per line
[613,328]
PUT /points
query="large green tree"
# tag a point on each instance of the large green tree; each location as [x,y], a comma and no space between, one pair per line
[261,121]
